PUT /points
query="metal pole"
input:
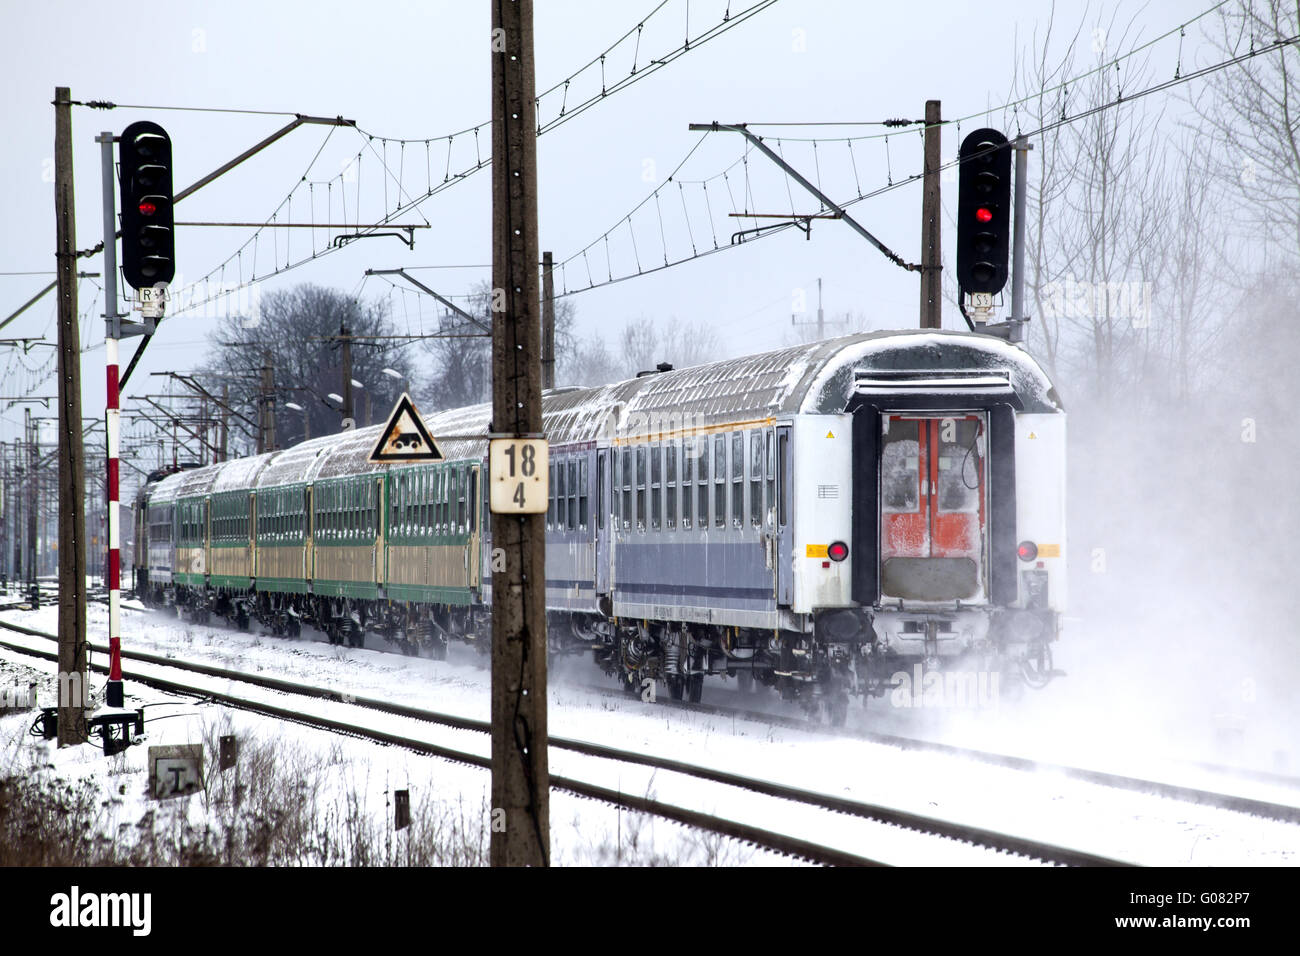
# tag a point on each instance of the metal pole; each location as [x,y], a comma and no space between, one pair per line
[548,321]
[266,421]
[33,477]
[931,220]
[72,492]
[114,693]
[17,500]
[1022,148]
[821,316]
[225,421]
[346,338]
[520,774]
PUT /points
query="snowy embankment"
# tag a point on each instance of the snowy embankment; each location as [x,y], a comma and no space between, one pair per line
[1045,807]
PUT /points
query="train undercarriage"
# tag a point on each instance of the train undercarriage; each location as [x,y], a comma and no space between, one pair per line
[921,661]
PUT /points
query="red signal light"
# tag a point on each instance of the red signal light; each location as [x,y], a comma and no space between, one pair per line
[983,214]
[837,551]
[1027,551]
[147,208]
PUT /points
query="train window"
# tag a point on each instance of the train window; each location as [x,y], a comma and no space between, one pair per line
[420,513]
[616,487]
[720,481]
[423,506]
[656,487]
[900,467]
[756,479]
[769,447]
[448,500]
[436,492]
[783,473]
[688,493]
[959,465]
[408,504]
[582,493]
[702,476]
[573,494]
[670,485]
[627,488]
[470,497]
[442,490]
[737,479]
[600,490]
[461,486]
[640,489]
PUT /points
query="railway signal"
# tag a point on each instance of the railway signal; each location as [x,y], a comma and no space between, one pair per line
[983,212]
[148,233]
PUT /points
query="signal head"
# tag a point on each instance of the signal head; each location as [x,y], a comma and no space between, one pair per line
[145,185]
[983,211]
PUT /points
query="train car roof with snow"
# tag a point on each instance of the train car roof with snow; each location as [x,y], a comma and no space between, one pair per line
[819,377]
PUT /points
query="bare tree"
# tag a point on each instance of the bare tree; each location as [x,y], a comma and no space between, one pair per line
[1253,113]
[460,356]
[293,333]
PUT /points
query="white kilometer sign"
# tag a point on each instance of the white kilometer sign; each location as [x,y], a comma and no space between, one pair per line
[518,474]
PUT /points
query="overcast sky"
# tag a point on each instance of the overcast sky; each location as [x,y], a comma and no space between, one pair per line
[419,70]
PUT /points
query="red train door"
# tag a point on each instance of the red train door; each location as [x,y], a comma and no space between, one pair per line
[933,507]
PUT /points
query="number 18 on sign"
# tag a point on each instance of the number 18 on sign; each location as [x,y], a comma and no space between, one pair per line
[518,469]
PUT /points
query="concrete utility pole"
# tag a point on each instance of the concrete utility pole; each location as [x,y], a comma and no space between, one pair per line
[225,421]
[520,775]
[931,213]
[548,321]
[345,337]
[33,518]
[72,478]
[266,421]
[17,500]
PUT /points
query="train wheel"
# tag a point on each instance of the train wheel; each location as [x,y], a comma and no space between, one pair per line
[1036,668]
[676,684]
[695,687]
[837,709]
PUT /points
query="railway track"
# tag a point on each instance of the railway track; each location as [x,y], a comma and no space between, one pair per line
[1225,801]
[768,839]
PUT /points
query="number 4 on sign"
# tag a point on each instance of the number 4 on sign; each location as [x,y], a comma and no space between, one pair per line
[518,471]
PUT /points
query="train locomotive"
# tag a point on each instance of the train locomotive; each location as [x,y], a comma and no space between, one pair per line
[817,519]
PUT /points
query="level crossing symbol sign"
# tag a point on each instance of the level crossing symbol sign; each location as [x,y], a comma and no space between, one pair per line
[405,438]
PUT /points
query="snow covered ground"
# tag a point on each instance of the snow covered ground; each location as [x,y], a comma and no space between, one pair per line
[1047,807]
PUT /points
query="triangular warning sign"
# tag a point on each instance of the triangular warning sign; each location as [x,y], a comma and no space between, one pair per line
[830,434]
[405,438]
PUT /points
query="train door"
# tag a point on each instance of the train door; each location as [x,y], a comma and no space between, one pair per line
[784,518]
[475,547]
[309,535]
[933,507]
[604,528]
[206,529]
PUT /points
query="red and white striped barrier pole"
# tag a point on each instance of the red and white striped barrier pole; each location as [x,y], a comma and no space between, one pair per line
[114,695]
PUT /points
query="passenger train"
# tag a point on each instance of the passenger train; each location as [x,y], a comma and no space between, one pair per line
[816,519]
